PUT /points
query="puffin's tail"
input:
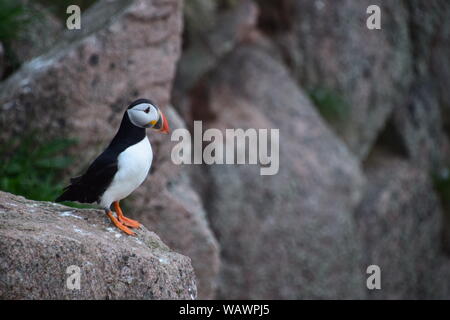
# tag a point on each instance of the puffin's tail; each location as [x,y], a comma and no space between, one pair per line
[73,192]
[70,194]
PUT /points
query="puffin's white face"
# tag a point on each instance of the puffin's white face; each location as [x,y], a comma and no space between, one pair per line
[146,115]
[143,115]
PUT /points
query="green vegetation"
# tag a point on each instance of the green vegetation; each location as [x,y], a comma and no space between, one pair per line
[34,170]
[330,104]
[18,18]
[442,185]
[13,18]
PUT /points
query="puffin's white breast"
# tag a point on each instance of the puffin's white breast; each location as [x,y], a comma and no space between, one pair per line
[133,166]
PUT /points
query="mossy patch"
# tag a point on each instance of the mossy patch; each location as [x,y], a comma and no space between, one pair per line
[14,16]
[441,183]
[331,105]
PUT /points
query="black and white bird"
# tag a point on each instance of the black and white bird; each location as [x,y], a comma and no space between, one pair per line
[122,167]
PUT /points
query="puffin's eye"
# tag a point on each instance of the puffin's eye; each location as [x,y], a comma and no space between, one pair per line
[147,110]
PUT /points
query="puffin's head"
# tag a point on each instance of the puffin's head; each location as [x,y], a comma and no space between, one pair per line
[145,114]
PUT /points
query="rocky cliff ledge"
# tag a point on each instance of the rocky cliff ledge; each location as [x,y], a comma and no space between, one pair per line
[39,241]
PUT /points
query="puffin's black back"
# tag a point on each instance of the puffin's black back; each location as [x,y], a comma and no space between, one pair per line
[89,187]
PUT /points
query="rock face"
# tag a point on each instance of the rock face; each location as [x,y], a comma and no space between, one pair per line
[419,127]
[328,47]
[81,88]
[430,26]
[399,220]
[404,71]
[351,191]
[211,39]
[421,119]
[40,240]
[281,236]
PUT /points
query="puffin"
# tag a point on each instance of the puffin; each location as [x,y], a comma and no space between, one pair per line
[122,167]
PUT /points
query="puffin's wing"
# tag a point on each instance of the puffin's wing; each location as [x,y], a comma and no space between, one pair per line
[89,187]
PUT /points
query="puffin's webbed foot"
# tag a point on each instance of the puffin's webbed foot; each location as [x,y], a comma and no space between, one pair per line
[129,222]
[124,220]
[119,224]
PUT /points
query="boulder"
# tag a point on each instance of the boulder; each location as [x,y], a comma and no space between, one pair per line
[430,29]
[400,223]
[364,74]
[80,89]
[210,35]
[420,121]
[40,241]
[289,235]
[420,129]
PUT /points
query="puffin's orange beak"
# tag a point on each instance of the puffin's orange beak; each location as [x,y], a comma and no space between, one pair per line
[165,125]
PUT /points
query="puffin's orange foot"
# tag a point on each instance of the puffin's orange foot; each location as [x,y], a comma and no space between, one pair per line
[119,225]
[129,222]
[126,221]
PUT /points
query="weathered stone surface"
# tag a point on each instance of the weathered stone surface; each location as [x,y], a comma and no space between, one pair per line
[289,235]
[328,47]
[421,119]
[430,29]
[40,240]
[124,50]
[399,221]
[199,15]
[419,126]
[210,40]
